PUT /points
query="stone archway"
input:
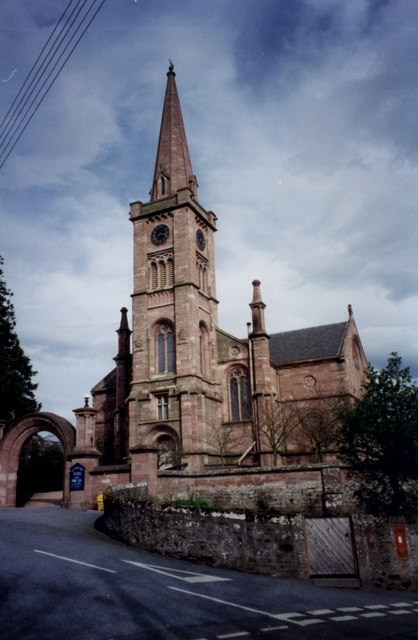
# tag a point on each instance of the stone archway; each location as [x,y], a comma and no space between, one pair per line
[166,440]
[13,440]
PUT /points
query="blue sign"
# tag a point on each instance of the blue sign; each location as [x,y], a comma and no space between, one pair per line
[77,478]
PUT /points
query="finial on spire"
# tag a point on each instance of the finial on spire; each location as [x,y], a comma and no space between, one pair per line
[173,168]
[256,291]
[350,310]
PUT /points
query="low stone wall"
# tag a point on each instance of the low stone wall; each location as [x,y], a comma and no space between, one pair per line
[238,540]
[316,489]
[380,563]
[249,541]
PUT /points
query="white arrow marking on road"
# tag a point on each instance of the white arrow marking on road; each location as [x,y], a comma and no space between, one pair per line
[172,573]
[85,564]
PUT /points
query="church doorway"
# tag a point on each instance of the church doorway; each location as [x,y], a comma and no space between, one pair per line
[167,455]
[33,458]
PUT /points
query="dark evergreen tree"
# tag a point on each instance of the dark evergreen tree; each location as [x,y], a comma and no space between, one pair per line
[379,437]
[16,387]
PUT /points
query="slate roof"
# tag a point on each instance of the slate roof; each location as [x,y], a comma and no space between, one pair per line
[307,344]
[108,383]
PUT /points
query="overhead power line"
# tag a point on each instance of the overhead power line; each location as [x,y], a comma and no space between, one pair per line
[39,81]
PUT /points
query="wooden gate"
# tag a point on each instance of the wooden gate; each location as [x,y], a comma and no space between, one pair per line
[330,547]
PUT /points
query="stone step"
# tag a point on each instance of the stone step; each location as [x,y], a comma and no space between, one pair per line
[338,582]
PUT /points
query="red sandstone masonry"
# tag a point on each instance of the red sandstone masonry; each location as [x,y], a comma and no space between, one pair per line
[292,489]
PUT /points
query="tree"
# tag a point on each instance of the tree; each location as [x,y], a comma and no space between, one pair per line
[16,387]
[223,439]
[319,425]
[277,421]
[379,437]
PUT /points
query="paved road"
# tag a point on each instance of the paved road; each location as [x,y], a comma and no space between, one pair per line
[61,579]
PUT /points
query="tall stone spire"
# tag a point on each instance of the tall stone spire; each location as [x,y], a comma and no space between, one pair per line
[173,168]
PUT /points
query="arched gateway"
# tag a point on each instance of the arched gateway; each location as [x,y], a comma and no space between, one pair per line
[15,436]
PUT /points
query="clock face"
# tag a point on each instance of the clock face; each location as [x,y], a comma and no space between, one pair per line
[160,234]
[200,239]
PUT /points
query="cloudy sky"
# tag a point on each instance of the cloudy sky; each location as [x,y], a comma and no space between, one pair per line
[301,118]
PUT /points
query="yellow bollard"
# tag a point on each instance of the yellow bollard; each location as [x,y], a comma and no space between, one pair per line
[100,502]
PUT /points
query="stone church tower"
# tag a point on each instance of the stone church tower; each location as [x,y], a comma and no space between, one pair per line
[174,390]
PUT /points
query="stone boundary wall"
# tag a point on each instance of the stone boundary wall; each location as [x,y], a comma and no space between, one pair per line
[315,489]
[243,540]
[272,546]
[379,562]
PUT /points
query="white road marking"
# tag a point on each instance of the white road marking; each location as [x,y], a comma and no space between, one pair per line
[291,617]
[349,609]
[342,618]
[237,634]
[287,617]
[372,614]
[192,578]
[375,606]
[267,629]
[399,612]
[84,564]
[229,604]
[320,612]
[401,604]
[307,622]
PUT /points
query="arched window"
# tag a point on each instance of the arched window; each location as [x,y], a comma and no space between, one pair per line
[163,185]
[239,394]
[162,273]
[202,271]
[161,270]
[204,349]
[205,280]
[154,275]
[356,354]
[165,348]
[170,272]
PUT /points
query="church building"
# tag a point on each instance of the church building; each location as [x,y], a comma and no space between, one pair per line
[183,386]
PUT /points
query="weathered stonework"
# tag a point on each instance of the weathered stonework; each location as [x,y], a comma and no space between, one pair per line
[229,539]
[269,543]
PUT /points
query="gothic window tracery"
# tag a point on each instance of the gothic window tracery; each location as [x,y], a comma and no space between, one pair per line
[239,395]
[165,353]
[202,269]
[161,270]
